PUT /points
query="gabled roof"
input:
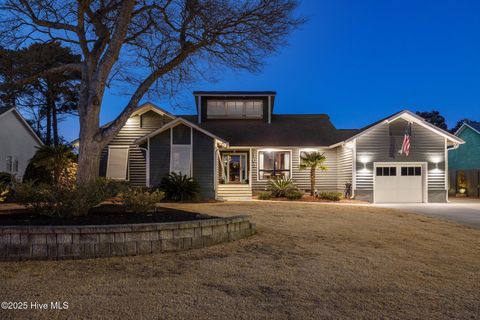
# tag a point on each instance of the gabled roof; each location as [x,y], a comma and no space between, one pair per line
[411,117]
[5,110]
[475,126]
[303,130]
[147,106]
[174,123]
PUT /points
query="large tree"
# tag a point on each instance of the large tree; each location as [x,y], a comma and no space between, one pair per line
[45,98]
[149,43]
[434,117]
[459,124]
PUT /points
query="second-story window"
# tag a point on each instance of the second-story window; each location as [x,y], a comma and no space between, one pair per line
[234,109]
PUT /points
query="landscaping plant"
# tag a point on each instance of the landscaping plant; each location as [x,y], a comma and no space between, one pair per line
[280,187]
[333,196]
[65,200]
[294,195]
[265,195]
[313,161]
[140,200]
[178,187]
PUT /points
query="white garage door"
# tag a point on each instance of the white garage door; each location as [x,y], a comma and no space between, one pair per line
[398,183]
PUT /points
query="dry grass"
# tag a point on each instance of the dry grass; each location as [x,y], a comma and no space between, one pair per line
[307,261]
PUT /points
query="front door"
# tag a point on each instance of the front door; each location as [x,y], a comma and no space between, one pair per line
[235,167]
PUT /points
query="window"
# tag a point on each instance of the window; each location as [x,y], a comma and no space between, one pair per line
[411,171]
[234,109]
[117,163]
[11,164]
[273,164]
[181,159]
[386,171]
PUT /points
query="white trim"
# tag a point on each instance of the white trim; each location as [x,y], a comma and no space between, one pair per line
[462,128]
[411,117]
[174,123]
[274,150]
[148,106]
[199,109]
[148,163]
[215,171]
[354,167]
[127,173]
[239,94]
[269,109]
[424,166]
[446,171]
[250,156]
[25,123]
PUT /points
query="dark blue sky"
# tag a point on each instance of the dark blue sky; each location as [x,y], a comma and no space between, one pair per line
[359,61]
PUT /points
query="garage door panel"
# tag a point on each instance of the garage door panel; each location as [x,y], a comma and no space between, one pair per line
[400,186]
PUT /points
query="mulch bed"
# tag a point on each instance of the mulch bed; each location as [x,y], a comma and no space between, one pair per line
[308,198]
[103,215]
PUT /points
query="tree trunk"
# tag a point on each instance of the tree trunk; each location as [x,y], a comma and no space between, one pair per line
[55,125]
[50,104]
[91,145]
[312,181]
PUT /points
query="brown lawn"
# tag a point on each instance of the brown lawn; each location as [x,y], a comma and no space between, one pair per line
[307,261]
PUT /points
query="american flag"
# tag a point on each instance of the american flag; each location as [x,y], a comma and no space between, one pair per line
[406,142]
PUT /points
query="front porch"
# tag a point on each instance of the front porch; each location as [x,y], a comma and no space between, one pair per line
[234,174]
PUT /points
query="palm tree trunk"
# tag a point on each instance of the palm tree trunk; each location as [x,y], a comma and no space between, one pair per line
[312,181]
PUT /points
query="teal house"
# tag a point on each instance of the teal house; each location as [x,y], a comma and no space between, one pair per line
[464,162]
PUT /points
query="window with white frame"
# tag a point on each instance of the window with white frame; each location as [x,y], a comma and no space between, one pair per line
[181,159]
[274,164]
[234,109]
[11,164]
[117,163]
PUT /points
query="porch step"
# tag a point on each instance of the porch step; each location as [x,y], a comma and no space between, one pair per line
[234,192]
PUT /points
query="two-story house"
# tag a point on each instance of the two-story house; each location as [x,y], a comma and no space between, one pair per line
[236,142]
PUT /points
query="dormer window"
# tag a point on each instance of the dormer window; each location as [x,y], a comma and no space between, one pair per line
[234,109]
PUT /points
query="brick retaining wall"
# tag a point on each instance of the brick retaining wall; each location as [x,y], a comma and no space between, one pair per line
[82,242]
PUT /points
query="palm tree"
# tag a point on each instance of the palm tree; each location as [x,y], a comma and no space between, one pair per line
[313,160]
[55,159]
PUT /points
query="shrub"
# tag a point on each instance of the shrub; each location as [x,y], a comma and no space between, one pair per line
[178,187]
[280,187]
[141,200]
[5,178]
[52,164]
[294,195]
[3,193]
[64,200]
[333,196]
[265,195]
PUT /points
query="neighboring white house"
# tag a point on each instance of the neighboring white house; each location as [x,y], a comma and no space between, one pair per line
[18,142]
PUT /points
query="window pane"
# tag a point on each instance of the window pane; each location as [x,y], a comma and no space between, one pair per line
[216,108]
[253,108]
[404,171]
[418,171]
[266,160]
[411,171]
[393,171]
[386,171]
[379,171]
[181,161]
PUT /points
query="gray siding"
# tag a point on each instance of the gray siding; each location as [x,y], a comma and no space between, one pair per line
[325,180]
[203,162]
[181,134]
[159,157]
[379,146]
[135,128]
[344,167]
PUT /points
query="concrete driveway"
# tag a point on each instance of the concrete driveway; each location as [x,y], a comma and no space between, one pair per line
[463,212]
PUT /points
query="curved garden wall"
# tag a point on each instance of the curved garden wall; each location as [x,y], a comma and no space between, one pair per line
[82,242]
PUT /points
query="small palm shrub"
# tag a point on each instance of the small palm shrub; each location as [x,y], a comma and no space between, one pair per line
[264,195]
[64,200]
[280,187]
[140,200]
[294,195]
[52,164]
[178,187]
[333,196]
